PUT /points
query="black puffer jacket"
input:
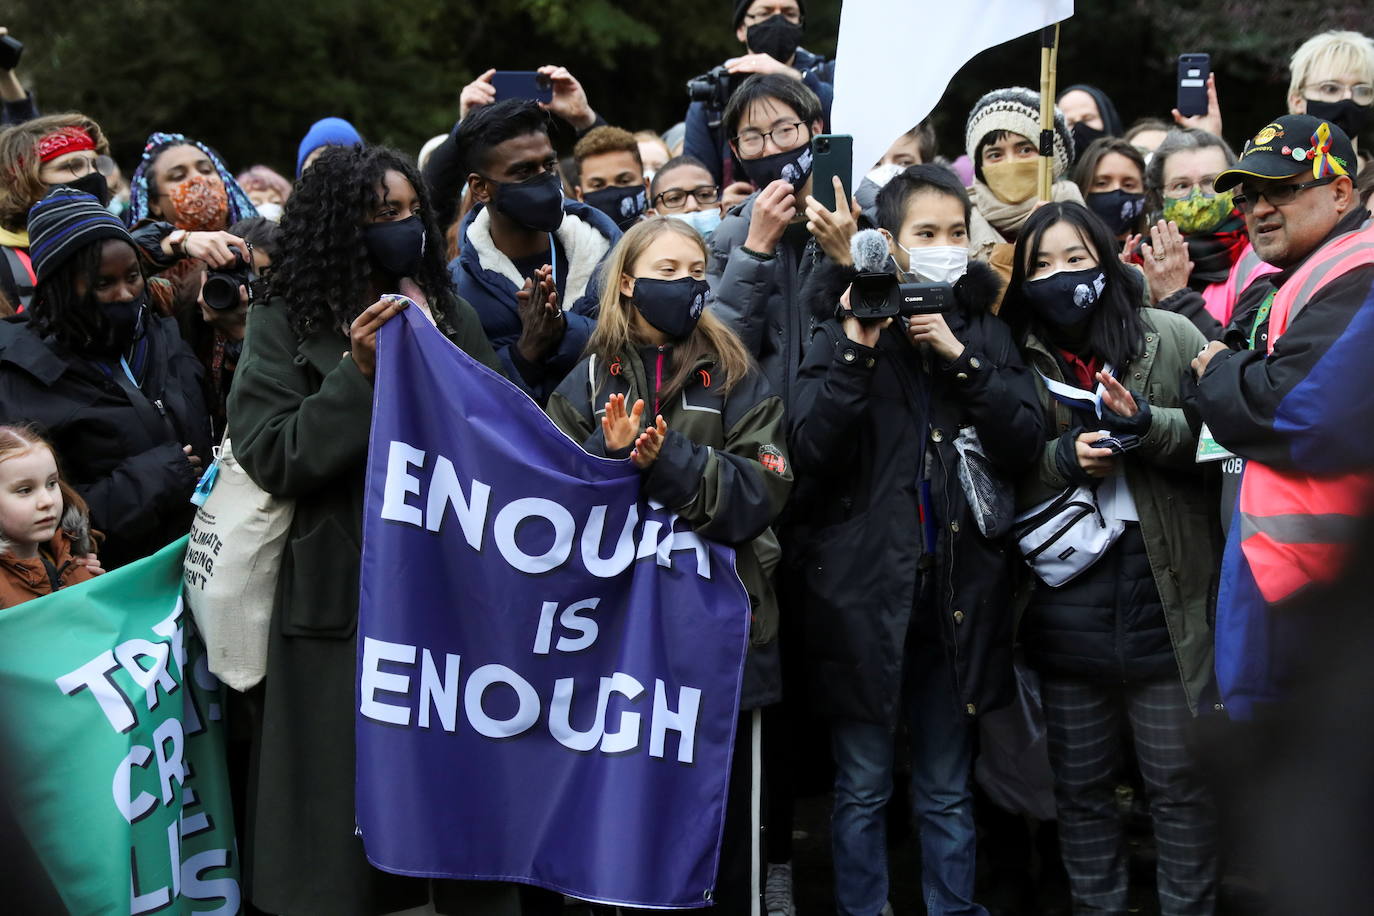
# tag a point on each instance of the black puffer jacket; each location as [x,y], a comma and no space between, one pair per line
[126,463]
[858,436]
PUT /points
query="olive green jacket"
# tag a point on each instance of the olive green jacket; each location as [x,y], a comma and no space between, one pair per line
[1177,523]
[300,414]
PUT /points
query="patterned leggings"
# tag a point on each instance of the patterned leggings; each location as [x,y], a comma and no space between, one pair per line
[1086,725]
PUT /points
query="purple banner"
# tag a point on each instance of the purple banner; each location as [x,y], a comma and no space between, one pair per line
[548,665]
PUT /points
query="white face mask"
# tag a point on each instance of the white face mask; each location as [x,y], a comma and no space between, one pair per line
[938,263]
[270,211]
[882,174]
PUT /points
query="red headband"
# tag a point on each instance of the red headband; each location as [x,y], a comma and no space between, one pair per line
[62,141]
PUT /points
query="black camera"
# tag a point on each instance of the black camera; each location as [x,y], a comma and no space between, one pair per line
[221,291]
[713,88]
[878,295]
[11,49]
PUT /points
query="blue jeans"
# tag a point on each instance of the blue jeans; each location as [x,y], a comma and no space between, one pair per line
[941,795]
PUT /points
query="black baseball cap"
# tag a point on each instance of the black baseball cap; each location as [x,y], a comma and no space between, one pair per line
[1292,145]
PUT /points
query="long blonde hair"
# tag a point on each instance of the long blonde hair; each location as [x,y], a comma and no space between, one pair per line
[615,335]
[20,186]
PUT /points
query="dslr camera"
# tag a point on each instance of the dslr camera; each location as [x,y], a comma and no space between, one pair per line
[713,88]
[221,291]
[877,295]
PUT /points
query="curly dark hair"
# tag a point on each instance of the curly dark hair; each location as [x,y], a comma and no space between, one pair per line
[324,270]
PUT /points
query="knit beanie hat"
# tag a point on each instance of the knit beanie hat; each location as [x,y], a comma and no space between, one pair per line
[1017,110]
[63,223]
[742,7]
[326,132]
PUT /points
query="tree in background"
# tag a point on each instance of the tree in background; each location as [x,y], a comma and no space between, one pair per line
[251,76]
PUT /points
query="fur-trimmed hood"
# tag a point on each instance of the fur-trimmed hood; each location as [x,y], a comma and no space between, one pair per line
[976,292]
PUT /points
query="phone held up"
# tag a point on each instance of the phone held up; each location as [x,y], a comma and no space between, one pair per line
[832,154]
[1193,70]
[11,49]
[522,84]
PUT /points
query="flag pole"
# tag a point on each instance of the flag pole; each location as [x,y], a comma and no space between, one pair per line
[1049,65]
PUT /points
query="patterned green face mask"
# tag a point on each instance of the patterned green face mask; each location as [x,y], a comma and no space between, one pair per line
[1197,213]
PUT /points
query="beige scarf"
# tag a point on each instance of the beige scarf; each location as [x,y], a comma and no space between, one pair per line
[994,219]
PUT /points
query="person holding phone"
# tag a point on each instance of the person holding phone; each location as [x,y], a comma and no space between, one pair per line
[445,172]
[1125,648]
[908,621]
[528,258]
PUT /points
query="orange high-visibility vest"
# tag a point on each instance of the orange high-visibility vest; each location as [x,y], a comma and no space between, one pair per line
[1297,528]
[1220,298]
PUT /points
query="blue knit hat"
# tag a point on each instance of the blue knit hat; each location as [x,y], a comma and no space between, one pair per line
[326,132]
[66,221]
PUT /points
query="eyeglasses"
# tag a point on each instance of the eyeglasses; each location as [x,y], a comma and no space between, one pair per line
[791,15]
[1277,194]
[673,198]
[82,166]
[1182,187]
[1334,91]
[750,142]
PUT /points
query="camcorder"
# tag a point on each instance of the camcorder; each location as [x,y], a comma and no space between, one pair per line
[713,88]
[878,295]
[221,291]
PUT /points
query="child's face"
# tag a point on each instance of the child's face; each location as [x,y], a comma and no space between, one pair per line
[30,501]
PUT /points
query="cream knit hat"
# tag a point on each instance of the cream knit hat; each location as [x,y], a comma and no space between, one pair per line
[1017,110]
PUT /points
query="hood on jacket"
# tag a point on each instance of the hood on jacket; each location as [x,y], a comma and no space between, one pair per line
[586,238]
[976,292]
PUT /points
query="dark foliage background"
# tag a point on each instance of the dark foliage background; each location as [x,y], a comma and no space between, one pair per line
[250,76]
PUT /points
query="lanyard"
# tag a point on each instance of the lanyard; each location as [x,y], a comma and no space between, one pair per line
[124,364]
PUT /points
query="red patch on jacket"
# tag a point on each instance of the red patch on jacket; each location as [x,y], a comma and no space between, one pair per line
[772,459]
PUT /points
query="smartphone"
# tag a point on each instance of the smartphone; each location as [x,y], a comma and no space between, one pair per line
[1118,444]
[833,154]
[522,84]
[1193,70]
[11,49]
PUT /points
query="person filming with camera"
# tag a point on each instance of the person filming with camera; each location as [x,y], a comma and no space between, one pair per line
[908,591]
[771,31]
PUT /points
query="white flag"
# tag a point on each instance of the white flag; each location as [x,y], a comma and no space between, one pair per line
[895,58]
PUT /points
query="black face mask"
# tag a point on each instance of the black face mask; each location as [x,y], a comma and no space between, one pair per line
[793,167]
[624,205]
[1118,209]
[535,204]
[1345,114]
[397,247]
[1083,136]
[94,184]
[672,306]
[123,323]
[776,37]
[1066,299]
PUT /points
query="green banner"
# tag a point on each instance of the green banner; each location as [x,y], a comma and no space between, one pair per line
[114,745]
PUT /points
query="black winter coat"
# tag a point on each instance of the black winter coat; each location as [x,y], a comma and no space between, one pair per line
[125,462]
[858,437]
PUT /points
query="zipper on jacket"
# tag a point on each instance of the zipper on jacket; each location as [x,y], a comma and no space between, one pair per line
[157,402]
[658,380]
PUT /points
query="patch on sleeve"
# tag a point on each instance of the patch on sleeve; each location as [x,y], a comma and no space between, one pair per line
[771,457]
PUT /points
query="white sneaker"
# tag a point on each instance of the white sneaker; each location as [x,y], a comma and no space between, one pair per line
[777,892]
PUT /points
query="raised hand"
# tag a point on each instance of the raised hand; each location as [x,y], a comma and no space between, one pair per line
[618,427]
[649,443]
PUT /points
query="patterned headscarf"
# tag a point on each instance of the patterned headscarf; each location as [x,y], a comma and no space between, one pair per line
[240,207]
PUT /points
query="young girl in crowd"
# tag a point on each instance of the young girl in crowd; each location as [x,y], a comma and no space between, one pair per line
[45,530]
[668,385]
[1125,648]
